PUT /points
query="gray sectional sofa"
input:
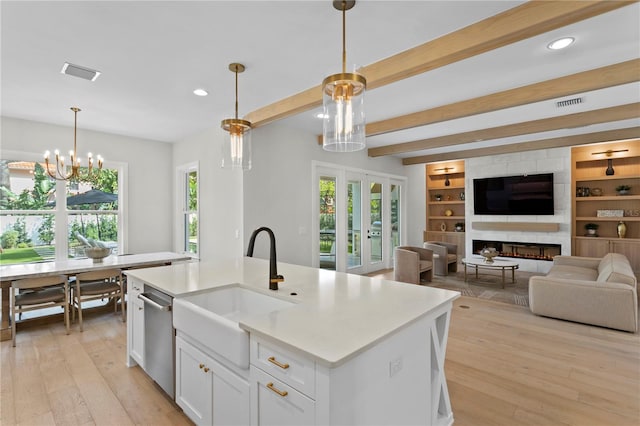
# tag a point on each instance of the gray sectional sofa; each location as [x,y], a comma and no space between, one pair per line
[589,290]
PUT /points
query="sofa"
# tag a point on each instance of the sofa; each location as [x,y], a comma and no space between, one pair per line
[445,257]
[412,264]
[597,291]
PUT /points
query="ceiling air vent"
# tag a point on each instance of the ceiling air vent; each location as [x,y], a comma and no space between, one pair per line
[78,71]
[569,102]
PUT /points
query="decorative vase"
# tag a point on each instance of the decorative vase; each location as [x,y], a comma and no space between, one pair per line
[622,229]
[623,192]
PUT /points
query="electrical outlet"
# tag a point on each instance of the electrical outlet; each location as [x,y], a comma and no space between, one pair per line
[395,366]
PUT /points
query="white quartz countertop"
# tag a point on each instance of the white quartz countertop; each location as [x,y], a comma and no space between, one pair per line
[336,315]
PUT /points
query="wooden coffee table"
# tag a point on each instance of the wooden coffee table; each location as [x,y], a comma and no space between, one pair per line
[479,263]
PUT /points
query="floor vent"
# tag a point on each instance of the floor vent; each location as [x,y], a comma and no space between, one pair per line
[569,102]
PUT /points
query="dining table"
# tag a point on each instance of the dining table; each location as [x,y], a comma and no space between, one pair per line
[71,267]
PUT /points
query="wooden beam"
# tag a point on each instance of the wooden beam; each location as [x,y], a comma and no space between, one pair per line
[522,22]
[589,138]
[609,76]
[604,115]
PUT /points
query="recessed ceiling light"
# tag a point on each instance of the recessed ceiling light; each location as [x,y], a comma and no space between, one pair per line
[561,43]
[200,92]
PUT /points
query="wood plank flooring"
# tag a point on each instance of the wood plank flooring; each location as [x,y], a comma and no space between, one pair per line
[504,366]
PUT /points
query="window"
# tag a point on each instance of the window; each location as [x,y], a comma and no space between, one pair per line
[36,224]
[189,218]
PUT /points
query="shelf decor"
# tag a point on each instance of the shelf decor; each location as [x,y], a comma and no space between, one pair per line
[623,189]
[610,213]
[622,229]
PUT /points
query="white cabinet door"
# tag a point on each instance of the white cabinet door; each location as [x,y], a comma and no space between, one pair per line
[207,391]
[194,385]
[231,397]
[275,403]
[135,324]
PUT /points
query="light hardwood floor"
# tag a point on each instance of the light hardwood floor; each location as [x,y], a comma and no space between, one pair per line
[504,366]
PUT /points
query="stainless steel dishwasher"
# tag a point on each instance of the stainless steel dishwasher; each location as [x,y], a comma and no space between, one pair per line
[159,338]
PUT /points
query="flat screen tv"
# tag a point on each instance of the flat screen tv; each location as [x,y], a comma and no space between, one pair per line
[514,195]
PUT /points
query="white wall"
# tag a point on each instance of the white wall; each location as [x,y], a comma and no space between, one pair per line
[220,200]
[277,191]
[416,206]
[149,186]
[556,161]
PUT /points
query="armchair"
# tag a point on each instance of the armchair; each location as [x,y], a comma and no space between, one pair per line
[412,264]
[445,257]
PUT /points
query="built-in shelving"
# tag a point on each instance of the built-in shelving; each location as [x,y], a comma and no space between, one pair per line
[441,226]
[589,171]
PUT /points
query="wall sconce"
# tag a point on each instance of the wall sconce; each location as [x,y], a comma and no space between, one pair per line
[609,171]
[447,182]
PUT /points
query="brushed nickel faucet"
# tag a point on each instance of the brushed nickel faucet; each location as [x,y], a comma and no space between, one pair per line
[274,278]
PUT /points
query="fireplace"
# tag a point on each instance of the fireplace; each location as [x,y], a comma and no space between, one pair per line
[520,250]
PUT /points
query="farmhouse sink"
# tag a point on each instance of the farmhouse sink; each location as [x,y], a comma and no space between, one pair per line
[212,318]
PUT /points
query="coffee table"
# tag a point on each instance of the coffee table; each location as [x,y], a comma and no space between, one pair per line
[479,263]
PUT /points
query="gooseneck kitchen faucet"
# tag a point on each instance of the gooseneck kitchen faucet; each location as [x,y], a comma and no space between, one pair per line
[274,278]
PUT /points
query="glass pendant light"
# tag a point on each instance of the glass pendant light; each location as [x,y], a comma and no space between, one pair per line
[343,127]
[236,147]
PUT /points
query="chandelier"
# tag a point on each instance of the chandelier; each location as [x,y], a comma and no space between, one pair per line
[236,147]
[60,170]
[343,127]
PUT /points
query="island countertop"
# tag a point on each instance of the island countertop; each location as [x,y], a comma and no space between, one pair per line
[336,316]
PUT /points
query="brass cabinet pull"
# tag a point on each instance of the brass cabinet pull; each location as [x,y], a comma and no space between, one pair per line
[279,392]
[272,359]
[201,366]
[206,369]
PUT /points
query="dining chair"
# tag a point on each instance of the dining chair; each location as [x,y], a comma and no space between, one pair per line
[94,285]
[29,294]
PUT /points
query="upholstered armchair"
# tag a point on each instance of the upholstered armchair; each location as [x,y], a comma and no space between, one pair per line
[445,257]
[412,264]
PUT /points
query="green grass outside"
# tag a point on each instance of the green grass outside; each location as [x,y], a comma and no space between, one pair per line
[19,255]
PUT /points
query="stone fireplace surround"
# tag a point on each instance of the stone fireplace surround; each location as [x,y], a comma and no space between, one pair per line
[552,160]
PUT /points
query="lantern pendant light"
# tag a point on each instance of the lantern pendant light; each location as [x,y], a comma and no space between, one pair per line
[236,148]
[343,127]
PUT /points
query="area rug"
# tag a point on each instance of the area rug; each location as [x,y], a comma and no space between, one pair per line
[487,286]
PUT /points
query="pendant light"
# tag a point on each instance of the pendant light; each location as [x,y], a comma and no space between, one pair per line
[60,170]
[236,148]
[343,127]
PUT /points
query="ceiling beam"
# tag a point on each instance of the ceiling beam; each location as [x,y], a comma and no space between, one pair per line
[522,22]
[580,119]
[600,78]
[589,138]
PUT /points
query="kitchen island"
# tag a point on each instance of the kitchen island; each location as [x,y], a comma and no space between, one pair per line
[349,350]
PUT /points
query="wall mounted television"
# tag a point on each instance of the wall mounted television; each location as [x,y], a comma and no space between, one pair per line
[514,195]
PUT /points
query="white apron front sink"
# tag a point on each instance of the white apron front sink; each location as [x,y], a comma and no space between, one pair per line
[212,318]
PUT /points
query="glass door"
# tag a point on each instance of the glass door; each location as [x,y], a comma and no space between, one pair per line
[358,219]
[327,222]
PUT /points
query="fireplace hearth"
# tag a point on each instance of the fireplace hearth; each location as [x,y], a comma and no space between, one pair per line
[520,250]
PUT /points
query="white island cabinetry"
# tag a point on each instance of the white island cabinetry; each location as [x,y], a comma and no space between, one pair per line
[399,380]
[135,324]
[208,392]
[343,350]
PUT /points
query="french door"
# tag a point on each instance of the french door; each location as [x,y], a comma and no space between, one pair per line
[359,219]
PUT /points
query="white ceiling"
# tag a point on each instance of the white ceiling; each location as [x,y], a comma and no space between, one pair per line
[153,54]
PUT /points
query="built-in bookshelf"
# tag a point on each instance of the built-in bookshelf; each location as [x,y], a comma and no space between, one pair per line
[598,170]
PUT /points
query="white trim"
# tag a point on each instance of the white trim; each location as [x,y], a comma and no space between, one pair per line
[61,214]
[182,172]
[341,173]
